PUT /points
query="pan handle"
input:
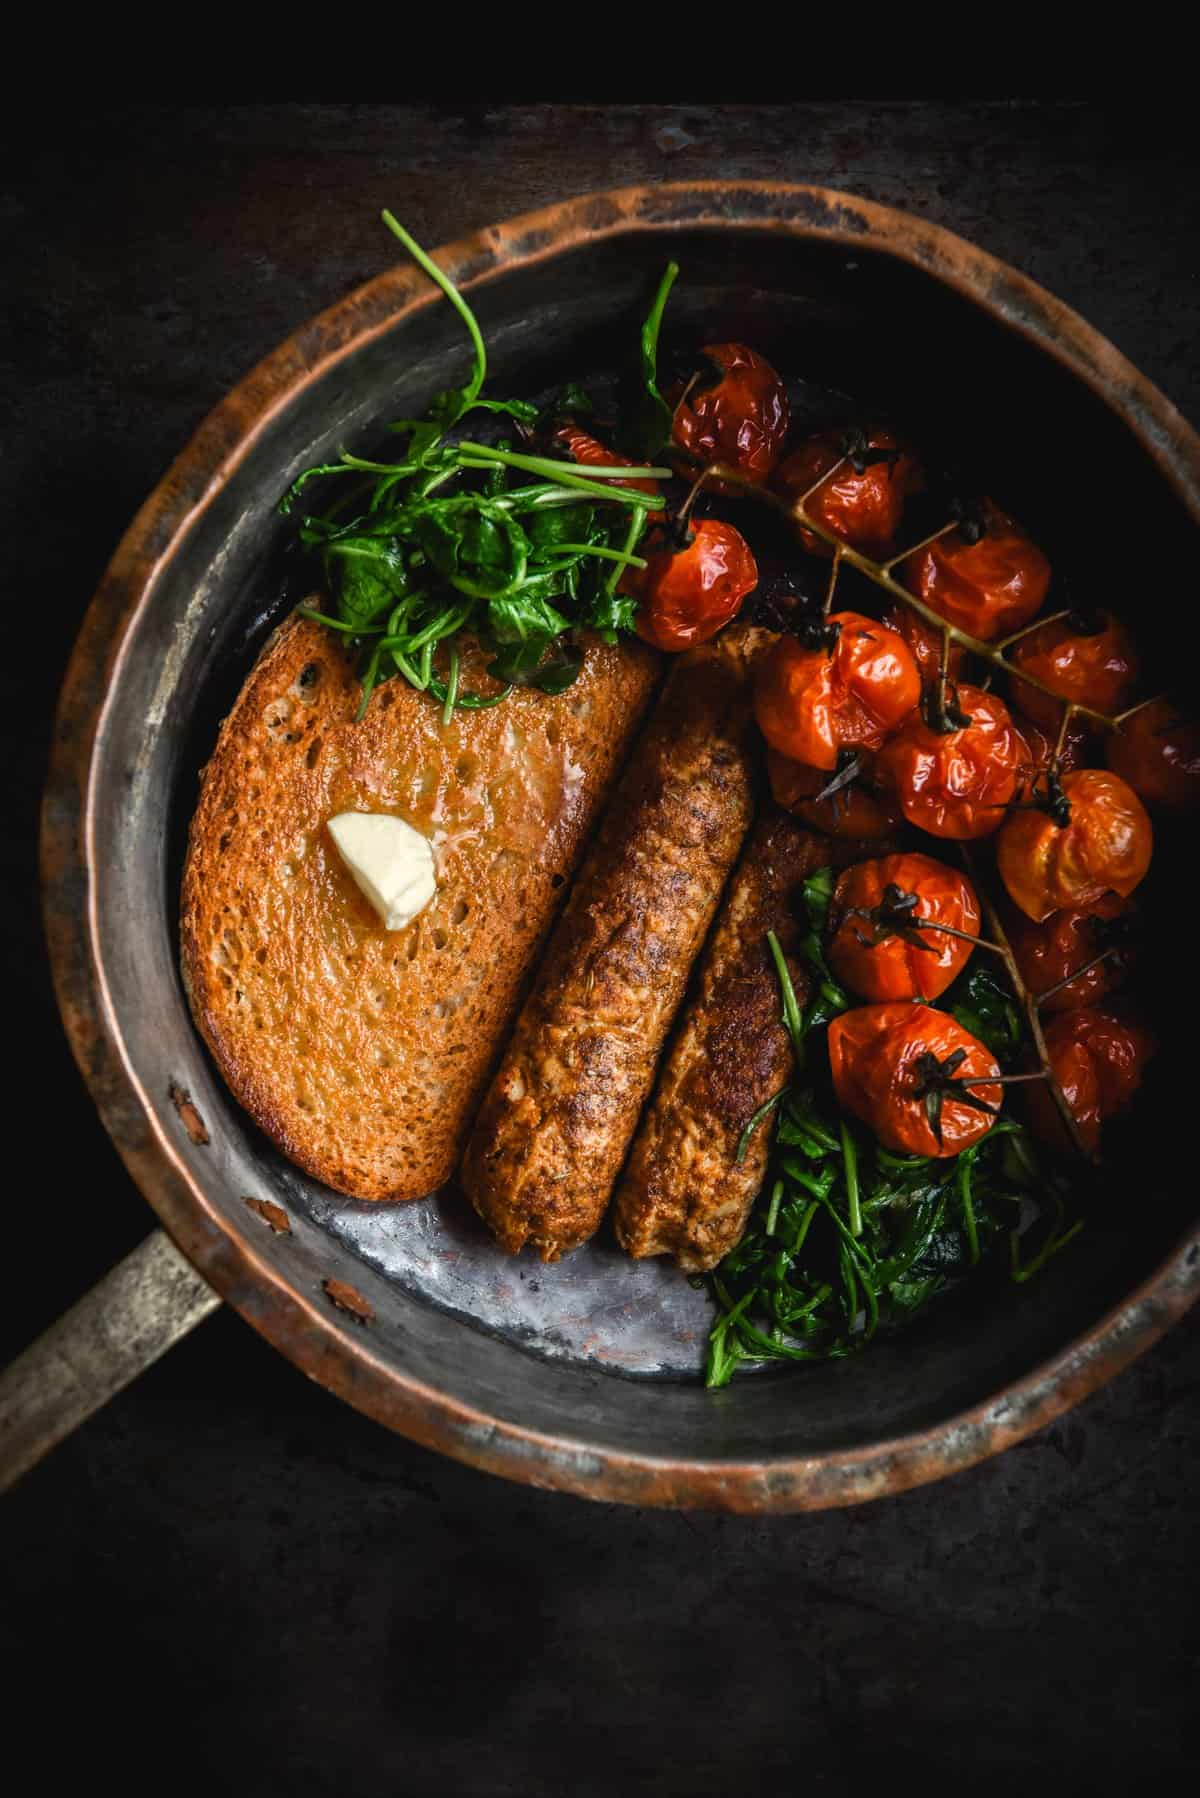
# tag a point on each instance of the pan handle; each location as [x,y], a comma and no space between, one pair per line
[114,1333]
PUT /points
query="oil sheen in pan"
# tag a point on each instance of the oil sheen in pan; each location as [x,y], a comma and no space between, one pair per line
[437,1250]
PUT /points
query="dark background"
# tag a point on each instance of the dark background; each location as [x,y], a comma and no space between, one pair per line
[228,1579]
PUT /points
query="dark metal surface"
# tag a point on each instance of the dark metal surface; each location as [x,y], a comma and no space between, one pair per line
[860,283]
[141,1309]
[335,1602]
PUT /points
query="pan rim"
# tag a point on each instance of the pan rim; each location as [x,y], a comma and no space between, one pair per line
[329,1349]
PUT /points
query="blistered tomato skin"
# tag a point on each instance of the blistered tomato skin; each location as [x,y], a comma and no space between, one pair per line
[812,703]
[1104,848]
[957,783]
[1048,954]
[856,813]
[989,588]
[1096,668]
[1098,1061]
[740,419]
[926,644]
[862,506]
[873,1054]
[1038,756]
[882,963]
[1157,751]
[685,596]
[1075,1073]
[587,450]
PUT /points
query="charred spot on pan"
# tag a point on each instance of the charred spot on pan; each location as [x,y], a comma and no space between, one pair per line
[189,1117]
[273,1215]
[347,1299]
[601,213]
[532,242]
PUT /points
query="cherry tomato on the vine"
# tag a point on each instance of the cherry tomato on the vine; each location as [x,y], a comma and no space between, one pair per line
[987,577]
[863,502]
[847,694]
[855,812]
[1038,757]
[1056,951]
[1097,1060]
[1157,751]
[956,783]
[903,1070]
[1103,846]
[1089,660]
[685,595]
[740,419]
[880,944]
[589,451]
[925,642]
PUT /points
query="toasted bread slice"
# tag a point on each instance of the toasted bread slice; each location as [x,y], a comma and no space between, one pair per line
[363,1053]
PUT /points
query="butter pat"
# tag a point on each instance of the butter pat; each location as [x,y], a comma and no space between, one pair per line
[389,861]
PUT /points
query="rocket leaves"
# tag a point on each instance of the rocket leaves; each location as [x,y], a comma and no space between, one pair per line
[457,534]
[848,1240]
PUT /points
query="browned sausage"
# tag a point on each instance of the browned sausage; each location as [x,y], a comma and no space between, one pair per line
[555,1125]
[683,1192]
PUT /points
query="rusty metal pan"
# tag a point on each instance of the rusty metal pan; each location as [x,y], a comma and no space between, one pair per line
[584,1376]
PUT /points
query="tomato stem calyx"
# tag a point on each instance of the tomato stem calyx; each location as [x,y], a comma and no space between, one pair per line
[935,1079]
[971,516]
[1046,795]
[861,455]
[818,633]
[894,916]
[941,710]
[850,766]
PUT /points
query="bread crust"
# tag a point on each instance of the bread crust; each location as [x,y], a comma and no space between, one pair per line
[363,1053]
[559,1114]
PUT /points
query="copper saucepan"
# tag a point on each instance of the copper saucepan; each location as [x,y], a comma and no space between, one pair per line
[581,1376]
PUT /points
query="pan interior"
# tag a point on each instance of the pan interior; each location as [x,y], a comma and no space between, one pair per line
[572,1349]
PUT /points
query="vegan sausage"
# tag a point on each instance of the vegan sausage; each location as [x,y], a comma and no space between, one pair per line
[564,1103]
[684,1193]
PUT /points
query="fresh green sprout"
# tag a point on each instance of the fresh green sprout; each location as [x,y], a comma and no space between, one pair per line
[453,539]
[848,1239]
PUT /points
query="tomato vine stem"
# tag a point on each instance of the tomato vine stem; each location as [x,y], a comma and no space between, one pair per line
[880,574]
[1028,1004]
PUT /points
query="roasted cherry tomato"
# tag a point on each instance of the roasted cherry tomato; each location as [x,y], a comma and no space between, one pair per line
[1157,751]
[686,595]
[880,943]
[903,1070]
[925,643]
[586,449]
[1060,956]
[1090,661]
[1098,1061]
[864,501]
[855,812]
[955,783]
[740,419]
[848,694]
[987,577]
[1103,845]
[1038,756]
